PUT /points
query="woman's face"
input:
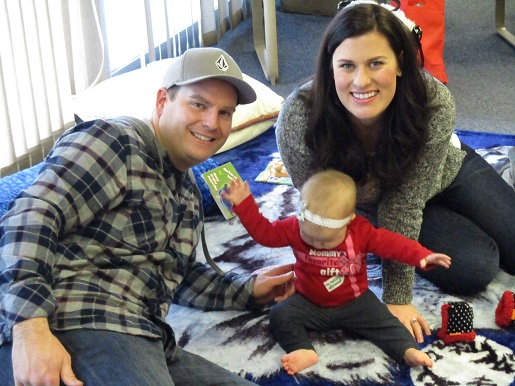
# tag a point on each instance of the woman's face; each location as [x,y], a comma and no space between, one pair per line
[365,73]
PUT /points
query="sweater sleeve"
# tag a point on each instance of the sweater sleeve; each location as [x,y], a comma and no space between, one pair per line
[401,209]
[290,130]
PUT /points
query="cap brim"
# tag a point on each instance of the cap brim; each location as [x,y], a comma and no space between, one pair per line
[246,93]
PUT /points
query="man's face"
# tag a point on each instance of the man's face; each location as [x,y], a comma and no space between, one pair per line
[196,122]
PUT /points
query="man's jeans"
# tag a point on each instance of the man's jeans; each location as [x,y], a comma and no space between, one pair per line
[110,358]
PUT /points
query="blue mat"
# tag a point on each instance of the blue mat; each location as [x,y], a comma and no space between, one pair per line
[480,140]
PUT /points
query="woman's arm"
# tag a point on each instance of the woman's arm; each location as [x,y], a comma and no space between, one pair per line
[401,209]
[290,129]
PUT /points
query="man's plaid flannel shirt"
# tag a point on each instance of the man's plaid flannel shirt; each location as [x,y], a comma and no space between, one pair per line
[106,237]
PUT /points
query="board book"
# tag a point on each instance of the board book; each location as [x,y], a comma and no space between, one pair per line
[217,180]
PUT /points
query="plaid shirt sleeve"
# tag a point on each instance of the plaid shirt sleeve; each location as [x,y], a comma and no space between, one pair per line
[203,288]
[84,174]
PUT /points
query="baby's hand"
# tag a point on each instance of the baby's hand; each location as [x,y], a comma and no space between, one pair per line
[236,192]
[436,259]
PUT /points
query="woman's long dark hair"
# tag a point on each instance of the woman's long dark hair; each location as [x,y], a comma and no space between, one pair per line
[405,121]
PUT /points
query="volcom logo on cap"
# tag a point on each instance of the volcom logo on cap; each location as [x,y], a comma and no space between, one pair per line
[221,63]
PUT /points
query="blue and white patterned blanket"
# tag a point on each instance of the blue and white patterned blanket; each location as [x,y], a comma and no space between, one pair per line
[242,342]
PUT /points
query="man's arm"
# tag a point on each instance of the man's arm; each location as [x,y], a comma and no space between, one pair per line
[82,176]
[203,288]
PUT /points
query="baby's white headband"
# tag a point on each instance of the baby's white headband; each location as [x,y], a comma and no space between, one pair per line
[415,29]
[305,214]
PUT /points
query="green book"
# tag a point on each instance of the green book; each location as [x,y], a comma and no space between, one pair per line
[217,180]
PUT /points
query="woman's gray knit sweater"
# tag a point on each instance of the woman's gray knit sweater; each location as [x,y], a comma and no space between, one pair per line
[400,210]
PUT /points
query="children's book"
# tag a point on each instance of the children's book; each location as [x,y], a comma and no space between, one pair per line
[217,180]
[275,173]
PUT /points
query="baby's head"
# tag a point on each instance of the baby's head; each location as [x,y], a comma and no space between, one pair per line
[327,203]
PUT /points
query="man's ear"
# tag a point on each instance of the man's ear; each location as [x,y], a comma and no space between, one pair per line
[161,98]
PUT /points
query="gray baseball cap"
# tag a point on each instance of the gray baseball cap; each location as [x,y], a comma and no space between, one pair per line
[197,64]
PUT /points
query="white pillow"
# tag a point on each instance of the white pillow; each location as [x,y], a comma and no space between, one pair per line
[134,94]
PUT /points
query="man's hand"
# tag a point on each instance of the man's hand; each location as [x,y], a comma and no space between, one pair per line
[38,356]
[409,316]
[274,283]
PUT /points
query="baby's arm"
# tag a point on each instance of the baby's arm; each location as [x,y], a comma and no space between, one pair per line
[236,192]
[436,259]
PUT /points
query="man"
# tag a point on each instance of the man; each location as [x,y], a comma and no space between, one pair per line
[92,254]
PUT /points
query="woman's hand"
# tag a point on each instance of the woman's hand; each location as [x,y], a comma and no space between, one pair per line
[274,283]
[409,316]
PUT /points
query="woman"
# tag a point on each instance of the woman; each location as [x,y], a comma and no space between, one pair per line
[371,111]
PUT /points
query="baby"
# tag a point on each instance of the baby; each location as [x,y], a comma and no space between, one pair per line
[330,243]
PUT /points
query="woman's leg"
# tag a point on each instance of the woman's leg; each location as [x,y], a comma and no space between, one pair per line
[475,256]
[473,221]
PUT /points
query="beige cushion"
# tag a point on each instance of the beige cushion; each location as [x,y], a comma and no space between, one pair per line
[134,94]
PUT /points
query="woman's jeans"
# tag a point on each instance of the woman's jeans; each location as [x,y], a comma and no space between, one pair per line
[472,221]
[111,358]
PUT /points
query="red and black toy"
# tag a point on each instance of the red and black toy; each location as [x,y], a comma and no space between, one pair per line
[457,323]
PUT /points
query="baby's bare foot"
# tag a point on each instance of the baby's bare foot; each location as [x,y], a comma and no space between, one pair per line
[299,360]
[414,357]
